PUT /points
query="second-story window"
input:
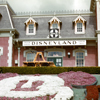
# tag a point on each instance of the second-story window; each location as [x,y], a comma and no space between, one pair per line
[31,28]
[79,27]
[54,25]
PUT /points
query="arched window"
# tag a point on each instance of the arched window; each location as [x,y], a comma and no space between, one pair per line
[29,54]
[54,54]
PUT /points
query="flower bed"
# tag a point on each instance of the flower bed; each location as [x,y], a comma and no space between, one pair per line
[77,79]
[32,86]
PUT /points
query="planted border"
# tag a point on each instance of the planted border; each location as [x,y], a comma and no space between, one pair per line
[48,70]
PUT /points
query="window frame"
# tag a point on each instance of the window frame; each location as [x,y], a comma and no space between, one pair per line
[33,55]
[31,28]
[79,19]
[55,55]
[52,27]
[83,28]
[79,28]
[81,58]
[28,22]
[34,29]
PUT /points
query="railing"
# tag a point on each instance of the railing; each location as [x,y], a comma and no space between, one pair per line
[54,12]
[3,2]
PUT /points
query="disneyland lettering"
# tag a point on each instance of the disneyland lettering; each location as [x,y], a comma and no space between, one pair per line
[54,43]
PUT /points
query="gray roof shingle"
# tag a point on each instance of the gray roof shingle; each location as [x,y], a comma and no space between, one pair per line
[4,21]
[67,29]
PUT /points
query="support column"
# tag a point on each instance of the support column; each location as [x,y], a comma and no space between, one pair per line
[10,46]
[98,50]
[98,13]
[18,56]
[98,28]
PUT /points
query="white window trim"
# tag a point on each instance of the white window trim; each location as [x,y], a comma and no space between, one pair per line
[55,56]
[24,53]
[28,22]
[1,49]
[55,23]
[83,58]
[83,29]
[27,30]
[81,20]
[79,50]
[53,49]
[84,50]
[55,20]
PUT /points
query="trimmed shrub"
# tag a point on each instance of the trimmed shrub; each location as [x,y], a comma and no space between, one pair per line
[48,70]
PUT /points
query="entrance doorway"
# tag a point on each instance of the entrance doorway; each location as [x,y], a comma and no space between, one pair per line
[57,60]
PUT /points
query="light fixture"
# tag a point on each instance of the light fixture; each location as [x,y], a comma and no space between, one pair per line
[68,54]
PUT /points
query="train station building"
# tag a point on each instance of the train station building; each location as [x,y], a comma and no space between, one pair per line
[69,39]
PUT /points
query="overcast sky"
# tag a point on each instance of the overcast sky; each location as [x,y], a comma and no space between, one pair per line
[48,5]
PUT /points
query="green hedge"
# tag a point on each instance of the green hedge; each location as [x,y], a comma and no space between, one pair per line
[48,70]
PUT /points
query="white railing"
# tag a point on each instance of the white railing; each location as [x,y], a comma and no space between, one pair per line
[54,12]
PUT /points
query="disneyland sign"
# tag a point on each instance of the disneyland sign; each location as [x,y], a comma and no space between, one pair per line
[55,43]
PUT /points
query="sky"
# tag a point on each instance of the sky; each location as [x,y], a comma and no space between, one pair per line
[48,5]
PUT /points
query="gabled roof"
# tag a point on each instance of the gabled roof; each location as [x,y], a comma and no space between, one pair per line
[30,20]
[55,19]
[79,18]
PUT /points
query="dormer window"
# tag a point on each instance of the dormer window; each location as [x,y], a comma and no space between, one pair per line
[55,25]
[30,26]
[79,25]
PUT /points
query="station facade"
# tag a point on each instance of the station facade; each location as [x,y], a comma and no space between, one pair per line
[69,39]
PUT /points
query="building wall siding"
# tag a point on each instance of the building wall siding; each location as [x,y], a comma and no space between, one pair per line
[4,57]
[90,59]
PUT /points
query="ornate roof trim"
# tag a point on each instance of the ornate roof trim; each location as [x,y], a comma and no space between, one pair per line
[79,18]
[54,18]
[29,20]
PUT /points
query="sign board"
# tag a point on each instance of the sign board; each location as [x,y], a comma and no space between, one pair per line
[55,43]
